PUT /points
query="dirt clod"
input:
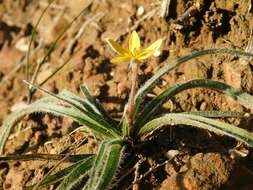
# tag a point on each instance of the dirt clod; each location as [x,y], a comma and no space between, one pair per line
[203,172]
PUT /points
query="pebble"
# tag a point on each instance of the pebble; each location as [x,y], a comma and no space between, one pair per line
[172,153]
[140,10]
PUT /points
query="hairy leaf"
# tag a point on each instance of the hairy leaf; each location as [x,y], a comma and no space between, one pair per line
[173,119]
[28,157]
[105,165]
[151,108]
[63,174]
[97,105]
[77,175]
[49,180]
[50,105]
[153,80]
[219,114]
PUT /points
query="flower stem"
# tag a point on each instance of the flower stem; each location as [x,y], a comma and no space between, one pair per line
[134,86]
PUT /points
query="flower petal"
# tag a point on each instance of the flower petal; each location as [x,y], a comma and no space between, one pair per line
[134,43]
[121,59]
[116,47]
[155,46]
[145,54]
[150,50]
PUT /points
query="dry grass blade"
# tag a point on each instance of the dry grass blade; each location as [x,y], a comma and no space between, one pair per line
[49,52]
[27,65]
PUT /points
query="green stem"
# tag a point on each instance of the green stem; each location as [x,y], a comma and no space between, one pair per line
[134,86]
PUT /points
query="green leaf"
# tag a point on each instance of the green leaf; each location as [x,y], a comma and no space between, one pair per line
[49,180]
[173,119]
[153,80]
[28,157]
[124,123]
[152,107]
[97,105]
[125,127]
[76,101]
[49,105]
[77,175]
[218,114]
[80,105]
[59,176]
[65,173]
[105,165]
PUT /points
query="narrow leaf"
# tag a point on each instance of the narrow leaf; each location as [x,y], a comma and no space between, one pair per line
[50,105]
[63,174]
[98,106]
[124,125]
[153,80]
[29,157]
[218,114]
[152,107]
[27,66]
[105,165]
[52,179]
[76,175]
[173,119]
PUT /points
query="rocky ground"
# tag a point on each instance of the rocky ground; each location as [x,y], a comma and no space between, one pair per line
[204,161]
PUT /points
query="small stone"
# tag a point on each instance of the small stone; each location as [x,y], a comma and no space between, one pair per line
[237,154]
[140,10]
[171,154]
[22,44]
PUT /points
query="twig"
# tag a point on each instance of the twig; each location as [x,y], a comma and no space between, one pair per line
[250,2]
[136,173]
[12,72]
[189,13]
[53,6]
[19,65]
[138,180]
[152,169]
[148,15]
[249,49]
[96,17]
[244,61]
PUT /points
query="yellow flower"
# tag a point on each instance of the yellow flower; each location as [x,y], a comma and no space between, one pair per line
[134,49]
